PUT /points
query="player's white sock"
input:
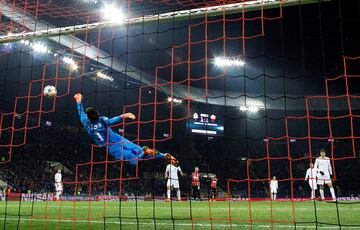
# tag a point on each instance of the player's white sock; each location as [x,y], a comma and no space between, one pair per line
[332,191]
[274,196]
[168,194]
[322,194]
[57,196]
[178,194]
[312,193]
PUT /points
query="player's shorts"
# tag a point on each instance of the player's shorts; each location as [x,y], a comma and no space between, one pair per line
[313,184]
[323,179]
[173,183]
[58,187]
[273,190]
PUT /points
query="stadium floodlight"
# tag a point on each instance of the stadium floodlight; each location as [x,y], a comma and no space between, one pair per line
[68,61]
[104,76]
[74,67]
[228,62]
[71,62]
[251,109]
[175,100]
[113,14]
[39,47]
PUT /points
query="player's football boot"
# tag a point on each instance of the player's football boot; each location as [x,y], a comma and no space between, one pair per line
[171,159]
[149,151]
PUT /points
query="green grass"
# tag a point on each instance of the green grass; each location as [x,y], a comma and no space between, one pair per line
[176,215]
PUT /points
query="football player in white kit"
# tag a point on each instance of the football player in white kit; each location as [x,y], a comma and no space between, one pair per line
[273,188]
[324,170]
[58,184]
[171,174]
[311,176]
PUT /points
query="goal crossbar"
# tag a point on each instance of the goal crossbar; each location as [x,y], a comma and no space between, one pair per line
[164,17]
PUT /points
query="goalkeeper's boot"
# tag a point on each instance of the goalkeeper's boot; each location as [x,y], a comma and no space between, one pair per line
[171,159]
[149,151]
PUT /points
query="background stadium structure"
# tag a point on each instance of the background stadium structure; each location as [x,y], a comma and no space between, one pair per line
[296,92]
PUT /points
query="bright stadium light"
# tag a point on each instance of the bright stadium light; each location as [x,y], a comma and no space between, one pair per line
[175,100]
[228,62]
[74,67]
[104,76]
[71,62]
[251,109]
[39,47]
[113,14]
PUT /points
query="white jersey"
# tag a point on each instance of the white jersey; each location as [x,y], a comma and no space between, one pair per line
[58,178]
[323,165]
[311,174]
[273,186]
[172,172]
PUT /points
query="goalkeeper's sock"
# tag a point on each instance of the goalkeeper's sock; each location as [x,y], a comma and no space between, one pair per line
[332,191]
[168,194]
[178,194]
[322,194]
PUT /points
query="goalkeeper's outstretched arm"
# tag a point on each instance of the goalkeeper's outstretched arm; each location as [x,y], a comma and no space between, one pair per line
[78,98]
[118,119]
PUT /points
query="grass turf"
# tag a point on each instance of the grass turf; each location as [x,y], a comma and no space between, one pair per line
[178,215]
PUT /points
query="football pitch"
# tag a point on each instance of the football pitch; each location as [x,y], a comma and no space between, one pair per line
[179,215]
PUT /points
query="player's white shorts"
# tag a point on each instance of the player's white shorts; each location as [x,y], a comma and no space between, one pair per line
[323,179]
[273,190]
[58,187]
[313,184]
[173,183]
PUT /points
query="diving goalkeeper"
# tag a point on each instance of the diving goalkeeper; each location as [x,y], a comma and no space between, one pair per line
[99,129]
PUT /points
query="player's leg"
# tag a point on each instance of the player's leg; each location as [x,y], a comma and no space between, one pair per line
[153,153]
[313,186]
[178,193]
[194,192]
[332,191]
[57,191]
[321,183]
[168,190]
[322,192]
[124,149]
[176,186]
[274,195]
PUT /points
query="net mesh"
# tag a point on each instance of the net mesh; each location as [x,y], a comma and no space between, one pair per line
[273,112]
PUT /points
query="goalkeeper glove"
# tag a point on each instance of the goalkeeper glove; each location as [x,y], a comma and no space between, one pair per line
[322,173]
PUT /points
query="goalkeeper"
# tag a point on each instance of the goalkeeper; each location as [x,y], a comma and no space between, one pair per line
[99,129]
